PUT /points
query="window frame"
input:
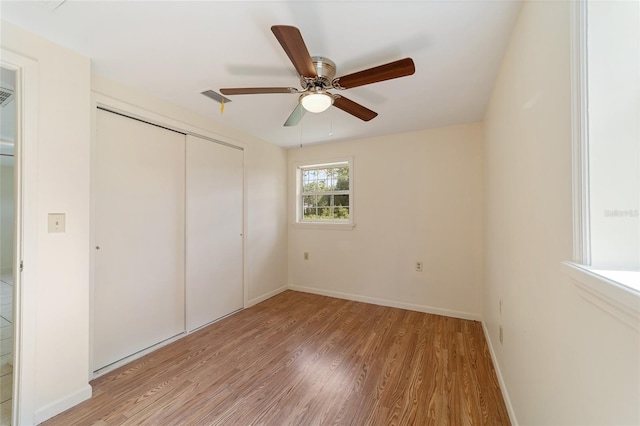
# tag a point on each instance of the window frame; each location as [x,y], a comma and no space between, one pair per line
[580,134]
[598,287]
[337,224]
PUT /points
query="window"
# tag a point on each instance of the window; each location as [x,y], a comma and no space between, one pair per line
[324,193]
[607,139]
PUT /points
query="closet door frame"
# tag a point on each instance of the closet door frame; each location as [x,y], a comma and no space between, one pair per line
[156,118]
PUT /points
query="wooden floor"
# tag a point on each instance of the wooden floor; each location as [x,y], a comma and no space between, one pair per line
[303,359]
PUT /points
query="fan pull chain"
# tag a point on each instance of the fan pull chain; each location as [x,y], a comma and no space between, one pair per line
[330,121]
[221,105]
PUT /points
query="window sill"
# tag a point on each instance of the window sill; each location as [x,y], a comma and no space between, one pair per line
[611,291]
[325,226]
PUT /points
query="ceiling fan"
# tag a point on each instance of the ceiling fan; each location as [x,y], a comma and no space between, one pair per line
[317,76]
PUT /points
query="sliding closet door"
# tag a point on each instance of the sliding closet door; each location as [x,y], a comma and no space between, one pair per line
[139,230]
[214,231]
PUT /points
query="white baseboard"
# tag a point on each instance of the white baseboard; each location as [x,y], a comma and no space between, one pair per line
[390,303]
[496,367]
[57,407]
[266,296]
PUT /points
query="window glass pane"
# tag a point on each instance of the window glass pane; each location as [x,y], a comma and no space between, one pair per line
[324,200]
[324,213]
[613,84]
[308,201]
[308,206]
[309,213]
[341,213]
[342,176]
[326,180]
[341,200]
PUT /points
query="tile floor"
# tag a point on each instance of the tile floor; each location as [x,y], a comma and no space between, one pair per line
[6,348]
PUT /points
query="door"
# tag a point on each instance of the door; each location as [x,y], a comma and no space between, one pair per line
[139,231]
[214,231]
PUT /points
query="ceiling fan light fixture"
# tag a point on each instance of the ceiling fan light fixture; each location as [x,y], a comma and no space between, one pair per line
[316,102]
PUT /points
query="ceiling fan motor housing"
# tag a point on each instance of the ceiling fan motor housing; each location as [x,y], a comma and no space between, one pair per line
[326,70]
[317,75]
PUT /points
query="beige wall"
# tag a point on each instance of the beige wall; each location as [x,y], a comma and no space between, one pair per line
[61,262]
[62,290]
[563,360]
[418,197]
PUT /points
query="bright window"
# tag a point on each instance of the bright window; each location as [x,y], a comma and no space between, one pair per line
[324,193]
[607,139]
[613,76]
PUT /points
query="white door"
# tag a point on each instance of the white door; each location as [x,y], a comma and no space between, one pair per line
[139,231]
[214,231]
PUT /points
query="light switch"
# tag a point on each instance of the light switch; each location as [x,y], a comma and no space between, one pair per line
[56,222]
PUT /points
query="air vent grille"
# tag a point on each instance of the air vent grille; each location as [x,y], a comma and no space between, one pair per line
[6,95]
[216,96]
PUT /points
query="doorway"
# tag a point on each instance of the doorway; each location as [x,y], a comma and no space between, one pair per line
[7,239]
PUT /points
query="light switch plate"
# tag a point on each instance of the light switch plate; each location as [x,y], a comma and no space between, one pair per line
[56,222]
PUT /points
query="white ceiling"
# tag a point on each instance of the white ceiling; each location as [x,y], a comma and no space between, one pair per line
[176,49]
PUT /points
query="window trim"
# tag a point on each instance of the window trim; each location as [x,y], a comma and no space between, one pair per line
[298,222]
[580,134]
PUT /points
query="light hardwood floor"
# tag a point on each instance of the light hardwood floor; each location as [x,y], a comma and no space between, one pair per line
[303,359]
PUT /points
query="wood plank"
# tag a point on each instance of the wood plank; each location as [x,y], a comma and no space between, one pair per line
[299,359]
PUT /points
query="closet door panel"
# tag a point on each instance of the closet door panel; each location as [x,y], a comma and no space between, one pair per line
[139,213]
[214,259]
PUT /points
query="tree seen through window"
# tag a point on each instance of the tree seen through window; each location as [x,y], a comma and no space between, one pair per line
[325,193]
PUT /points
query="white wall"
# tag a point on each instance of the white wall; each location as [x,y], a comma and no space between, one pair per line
[62,260]
[563,360]
[418,197]
[265,184]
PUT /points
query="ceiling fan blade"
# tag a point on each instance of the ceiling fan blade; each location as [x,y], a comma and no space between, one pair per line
[401,68]
[295,116]
[354,108]
[291,41]
[257,90]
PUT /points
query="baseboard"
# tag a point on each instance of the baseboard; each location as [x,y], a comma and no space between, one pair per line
[496,367]
[265,296]
[389,303]
[55,408]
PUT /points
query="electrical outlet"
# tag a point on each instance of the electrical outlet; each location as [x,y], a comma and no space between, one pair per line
[306,255]
[500,334]
[419,266]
